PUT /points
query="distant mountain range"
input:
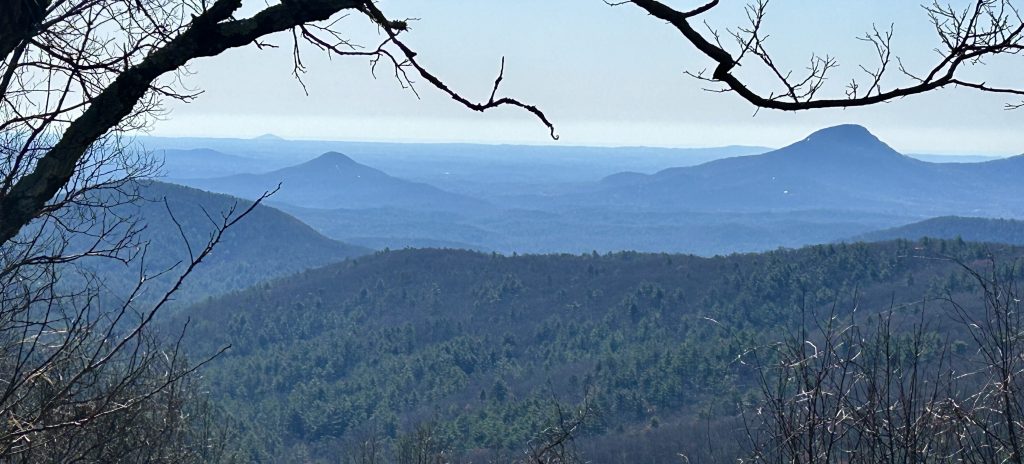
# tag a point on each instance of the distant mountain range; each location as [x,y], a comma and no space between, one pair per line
[203,162]
[479,170]
[332,344]
[839,168]
[971,229]
[836,183]
[334,180]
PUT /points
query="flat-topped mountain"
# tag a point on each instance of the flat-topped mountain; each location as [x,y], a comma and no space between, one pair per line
[333,180]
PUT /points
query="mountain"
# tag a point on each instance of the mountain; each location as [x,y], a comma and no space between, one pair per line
[334,180]
[203,163]
[469,168]
[972,229]
[386,212]
[953,158]
[474,348]
[838,168]
[836,183]
[264,245]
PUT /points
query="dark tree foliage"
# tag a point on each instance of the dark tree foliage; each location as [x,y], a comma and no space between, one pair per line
[81,376]
[897,387]
[480,345]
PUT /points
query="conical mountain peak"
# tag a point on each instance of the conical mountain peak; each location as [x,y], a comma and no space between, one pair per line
[332,157]
[848,143]
[845,134]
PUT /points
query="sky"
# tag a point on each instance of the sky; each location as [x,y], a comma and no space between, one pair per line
[606,76]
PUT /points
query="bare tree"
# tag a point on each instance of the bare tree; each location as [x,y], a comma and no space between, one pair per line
[422,446]
[895,389]
[993,414]
[81,375]
[839,390]
[75,70]
[556,444]
[966,36]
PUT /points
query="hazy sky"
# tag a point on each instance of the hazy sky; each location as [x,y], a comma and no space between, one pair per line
[604,75]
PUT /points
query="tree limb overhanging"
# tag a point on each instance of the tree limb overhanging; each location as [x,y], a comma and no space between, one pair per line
[211,30]
[985,29]
[83,376]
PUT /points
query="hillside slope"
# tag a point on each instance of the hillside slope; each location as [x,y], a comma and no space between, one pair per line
[266,244]
[972,229]
[204,163]
[838,168]
[479,344]
[334,180]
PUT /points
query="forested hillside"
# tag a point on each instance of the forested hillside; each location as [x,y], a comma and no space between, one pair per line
[264,245]
[974,229]
[472,241]
[478,348]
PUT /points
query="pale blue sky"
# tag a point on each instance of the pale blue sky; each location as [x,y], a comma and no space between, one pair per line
[605,76]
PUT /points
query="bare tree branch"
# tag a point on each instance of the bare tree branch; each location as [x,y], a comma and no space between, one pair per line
[986,29]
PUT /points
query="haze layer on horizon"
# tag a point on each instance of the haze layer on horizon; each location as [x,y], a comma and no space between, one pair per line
[604,75]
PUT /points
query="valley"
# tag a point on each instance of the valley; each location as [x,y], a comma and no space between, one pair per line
[837,183]
[548,232]
[484,313]
[459,316]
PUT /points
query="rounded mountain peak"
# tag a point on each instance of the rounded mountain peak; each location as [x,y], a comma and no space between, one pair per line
[332,158]
[846,134]
[844,144]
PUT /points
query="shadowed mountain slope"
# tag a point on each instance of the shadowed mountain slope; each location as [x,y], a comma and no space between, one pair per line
[264,245]
[972,229]
[843,167]
[334,180]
